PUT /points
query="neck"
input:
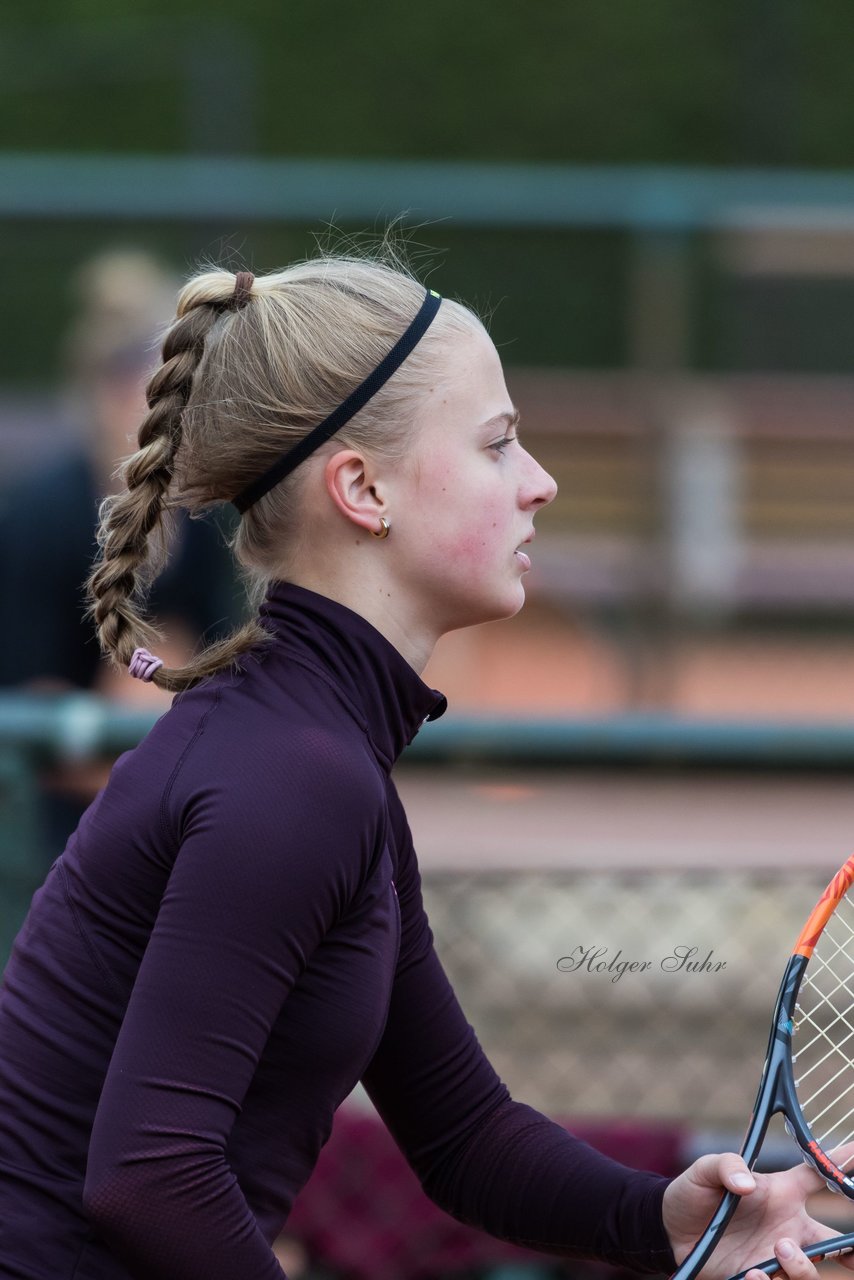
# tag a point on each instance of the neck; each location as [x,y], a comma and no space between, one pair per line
[378,604]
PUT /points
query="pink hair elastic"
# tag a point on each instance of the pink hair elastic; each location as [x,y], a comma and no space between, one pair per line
[143,664]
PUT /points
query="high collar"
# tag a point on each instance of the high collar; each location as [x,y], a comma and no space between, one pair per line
[383,691]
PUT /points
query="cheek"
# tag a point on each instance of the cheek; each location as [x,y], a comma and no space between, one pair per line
[471,550]
[473,531]
[468,515]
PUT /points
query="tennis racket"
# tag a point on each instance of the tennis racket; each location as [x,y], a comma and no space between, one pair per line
[809,1066]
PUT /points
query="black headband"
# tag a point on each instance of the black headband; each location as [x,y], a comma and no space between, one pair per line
[350,407]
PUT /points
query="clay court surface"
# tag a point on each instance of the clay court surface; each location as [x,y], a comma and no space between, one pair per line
[610,820]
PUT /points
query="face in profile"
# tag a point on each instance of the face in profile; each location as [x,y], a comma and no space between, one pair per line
[469,496]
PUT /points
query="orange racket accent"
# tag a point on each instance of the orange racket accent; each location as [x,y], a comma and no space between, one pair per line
[824,909]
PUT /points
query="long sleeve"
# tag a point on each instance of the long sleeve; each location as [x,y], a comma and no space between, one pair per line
[257,883]
[486,1159]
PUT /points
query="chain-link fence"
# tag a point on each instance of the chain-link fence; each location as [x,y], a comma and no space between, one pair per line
[611,995]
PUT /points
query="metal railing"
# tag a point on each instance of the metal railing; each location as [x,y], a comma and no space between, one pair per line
[82,725]
[644,198]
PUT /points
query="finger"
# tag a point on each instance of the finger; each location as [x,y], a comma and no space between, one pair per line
[735,1175]
[808,1178]
[843,1156]
[793,1260]
[728,1170]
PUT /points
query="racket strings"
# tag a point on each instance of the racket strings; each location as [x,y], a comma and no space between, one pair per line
[823,1033]
[810,1014]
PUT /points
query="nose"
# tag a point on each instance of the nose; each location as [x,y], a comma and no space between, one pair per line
[539,488]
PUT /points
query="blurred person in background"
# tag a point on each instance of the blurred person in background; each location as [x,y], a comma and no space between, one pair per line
[235,934]
[49,516]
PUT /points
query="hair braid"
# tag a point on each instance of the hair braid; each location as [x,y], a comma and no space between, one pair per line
[127,561]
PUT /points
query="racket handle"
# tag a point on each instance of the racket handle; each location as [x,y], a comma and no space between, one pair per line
[818,1252]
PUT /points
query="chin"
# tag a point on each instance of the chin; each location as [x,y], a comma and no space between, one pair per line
[497,609]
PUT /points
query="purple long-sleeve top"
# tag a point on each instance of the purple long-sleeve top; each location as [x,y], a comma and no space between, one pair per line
[233,937]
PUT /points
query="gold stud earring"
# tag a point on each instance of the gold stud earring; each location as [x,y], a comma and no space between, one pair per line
[383,532]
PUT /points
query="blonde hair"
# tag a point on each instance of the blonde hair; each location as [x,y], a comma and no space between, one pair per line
[238,388]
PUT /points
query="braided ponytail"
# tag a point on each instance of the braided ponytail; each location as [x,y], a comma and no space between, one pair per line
[130,520]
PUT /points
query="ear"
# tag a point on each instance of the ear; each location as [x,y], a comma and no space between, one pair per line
[354,485]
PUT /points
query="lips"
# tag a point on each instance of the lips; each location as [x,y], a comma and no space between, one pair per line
[520,554]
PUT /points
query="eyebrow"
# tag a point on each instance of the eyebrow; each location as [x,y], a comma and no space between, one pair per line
[512,419]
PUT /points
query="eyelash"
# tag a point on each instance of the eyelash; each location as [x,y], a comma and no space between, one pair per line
[501,445]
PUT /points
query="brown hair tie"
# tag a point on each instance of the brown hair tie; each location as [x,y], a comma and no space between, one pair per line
[243,283]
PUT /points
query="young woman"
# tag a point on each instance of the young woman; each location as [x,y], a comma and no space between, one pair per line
[234,935]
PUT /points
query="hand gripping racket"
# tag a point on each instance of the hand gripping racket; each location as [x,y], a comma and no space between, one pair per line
[809,1066]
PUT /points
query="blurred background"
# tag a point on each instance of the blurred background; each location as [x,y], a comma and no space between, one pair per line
[652,206]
